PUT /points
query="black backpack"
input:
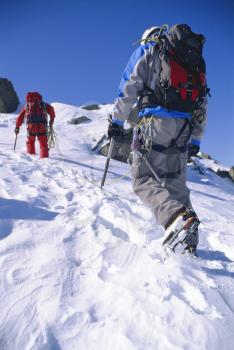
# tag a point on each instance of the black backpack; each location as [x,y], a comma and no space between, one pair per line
[180,71]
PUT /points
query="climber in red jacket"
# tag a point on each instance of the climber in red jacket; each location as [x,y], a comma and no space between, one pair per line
[35,113]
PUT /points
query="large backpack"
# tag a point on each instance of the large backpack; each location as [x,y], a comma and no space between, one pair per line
[35,109]
[180,71]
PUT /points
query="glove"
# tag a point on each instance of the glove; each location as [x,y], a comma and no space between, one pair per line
[16,130]
[193,150]
[115,130]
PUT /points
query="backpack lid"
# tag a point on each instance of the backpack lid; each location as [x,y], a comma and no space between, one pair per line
[33,97]
[186,45]
[184,33]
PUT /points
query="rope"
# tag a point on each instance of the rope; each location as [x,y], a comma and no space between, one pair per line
[52,143]
[51,137]
[146,147]
[154,38]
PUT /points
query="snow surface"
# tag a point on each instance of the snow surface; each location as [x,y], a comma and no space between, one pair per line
[81,267]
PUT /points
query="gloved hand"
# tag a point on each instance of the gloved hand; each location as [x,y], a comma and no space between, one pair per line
[16,130]
[193,150]
[115,130]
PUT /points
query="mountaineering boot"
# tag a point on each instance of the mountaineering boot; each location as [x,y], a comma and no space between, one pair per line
[182,235]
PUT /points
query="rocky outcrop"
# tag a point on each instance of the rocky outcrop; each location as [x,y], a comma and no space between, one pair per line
[91,107]
[9,100]
[79,120]
[214,166]
[227,173]
[121,150]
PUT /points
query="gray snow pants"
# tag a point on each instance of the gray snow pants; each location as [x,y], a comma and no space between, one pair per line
[170,195]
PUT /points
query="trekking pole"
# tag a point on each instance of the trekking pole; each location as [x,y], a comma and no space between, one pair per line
[15,141]
[107,161]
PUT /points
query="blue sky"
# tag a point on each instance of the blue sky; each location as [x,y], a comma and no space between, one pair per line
[75,51]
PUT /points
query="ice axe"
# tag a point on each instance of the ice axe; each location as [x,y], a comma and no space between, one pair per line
[15,141]
[107,161]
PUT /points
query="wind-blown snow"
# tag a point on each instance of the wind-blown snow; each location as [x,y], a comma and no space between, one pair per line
[81,267]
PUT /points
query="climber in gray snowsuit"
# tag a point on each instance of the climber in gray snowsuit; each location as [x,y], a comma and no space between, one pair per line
[165,133]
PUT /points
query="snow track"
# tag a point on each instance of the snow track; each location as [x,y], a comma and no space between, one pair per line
[81,268]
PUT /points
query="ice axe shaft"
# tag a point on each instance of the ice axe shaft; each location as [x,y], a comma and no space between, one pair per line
[15,141]
[107,161]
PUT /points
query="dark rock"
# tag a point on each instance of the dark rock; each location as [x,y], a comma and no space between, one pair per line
[91,107]
[222,173]
[9,100]
[79,120]
[121,149]
[98,144]
[225,173]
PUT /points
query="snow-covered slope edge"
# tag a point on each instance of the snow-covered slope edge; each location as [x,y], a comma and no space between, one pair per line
[81,268]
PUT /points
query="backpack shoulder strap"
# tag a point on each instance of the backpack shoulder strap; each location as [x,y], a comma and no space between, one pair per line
[44,106]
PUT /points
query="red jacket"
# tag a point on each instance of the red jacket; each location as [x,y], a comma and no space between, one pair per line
[21,116]
[35,128]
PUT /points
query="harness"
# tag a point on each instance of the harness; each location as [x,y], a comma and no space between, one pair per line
[173,148]
[143,146]
[145,141]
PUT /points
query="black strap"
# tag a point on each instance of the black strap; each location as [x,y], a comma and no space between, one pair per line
[186,122]
[173,148]
[190,86]
[170,149]
[36,119]
[36,133]
[168,175]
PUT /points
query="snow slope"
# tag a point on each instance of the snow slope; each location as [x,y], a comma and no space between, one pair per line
[81,268]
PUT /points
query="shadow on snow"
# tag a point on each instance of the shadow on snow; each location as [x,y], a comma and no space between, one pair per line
[212,255]
[21,210]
